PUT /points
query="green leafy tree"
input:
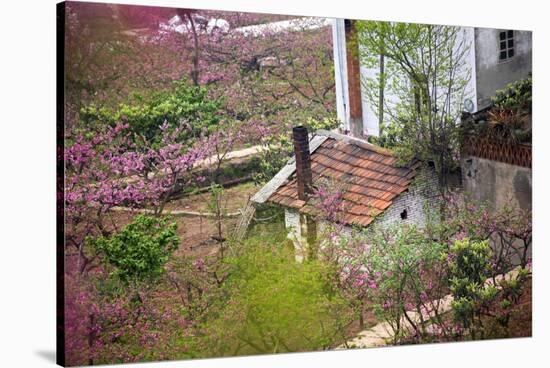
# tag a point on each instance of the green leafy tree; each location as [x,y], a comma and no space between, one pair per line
[420,90]
[140,250]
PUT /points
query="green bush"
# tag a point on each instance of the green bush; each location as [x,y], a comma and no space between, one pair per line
[140,250]
[183,103]
[516,96]
[469,268]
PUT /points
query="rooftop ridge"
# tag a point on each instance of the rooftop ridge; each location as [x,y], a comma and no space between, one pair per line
[354,140]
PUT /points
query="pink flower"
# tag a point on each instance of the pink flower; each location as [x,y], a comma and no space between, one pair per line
[387,304]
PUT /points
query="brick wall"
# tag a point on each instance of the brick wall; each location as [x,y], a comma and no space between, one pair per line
[303,162]
[422,192]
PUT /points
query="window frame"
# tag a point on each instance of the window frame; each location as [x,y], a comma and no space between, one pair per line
[508,48]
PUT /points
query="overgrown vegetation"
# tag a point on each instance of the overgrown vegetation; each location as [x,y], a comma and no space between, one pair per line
[154,112]
[516,96]
[274,304]
[508,119]
[478,257]
[145,116]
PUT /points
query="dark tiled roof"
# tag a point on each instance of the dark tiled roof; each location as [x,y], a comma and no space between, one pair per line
[368,174]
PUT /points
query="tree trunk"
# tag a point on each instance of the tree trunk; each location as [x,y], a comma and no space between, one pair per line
[195,71]
[382,85]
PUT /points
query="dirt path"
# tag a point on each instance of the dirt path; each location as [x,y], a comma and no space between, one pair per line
[195,232]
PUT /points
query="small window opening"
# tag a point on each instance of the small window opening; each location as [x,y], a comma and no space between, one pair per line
[404,215]
[506,45]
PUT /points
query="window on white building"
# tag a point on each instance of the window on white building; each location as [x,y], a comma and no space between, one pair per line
[506,45]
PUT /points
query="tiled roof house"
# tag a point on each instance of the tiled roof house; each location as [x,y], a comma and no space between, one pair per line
[375,187]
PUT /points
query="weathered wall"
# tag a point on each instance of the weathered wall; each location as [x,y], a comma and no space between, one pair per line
[301,230]
[492,75]
[482,177]
[423,192]
[292,224]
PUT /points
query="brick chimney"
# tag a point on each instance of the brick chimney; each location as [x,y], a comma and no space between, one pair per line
[354,80]
[303,162]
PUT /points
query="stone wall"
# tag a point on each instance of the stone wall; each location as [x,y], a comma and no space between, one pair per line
[497,183]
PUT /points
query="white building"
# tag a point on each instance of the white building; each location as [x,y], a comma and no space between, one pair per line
[496,57]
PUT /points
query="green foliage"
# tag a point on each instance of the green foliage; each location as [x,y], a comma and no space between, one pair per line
[183,103]
[516,95]
[275,304]
[469,268]
[510,116]
[140,250]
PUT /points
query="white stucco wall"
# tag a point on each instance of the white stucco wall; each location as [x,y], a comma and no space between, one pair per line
[292,224]
[340,71]
[297,232]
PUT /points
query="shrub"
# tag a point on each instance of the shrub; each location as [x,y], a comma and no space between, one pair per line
[516,96]
[469,268]
[483,305]
[510,115]
[183,103]
[140,250]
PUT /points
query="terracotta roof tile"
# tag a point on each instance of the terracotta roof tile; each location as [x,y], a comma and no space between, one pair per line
[368,175]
